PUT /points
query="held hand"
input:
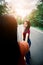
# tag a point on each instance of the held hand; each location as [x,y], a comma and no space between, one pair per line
[24,47]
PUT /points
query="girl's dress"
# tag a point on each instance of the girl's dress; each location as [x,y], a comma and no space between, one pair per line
[24,36]
[28,55]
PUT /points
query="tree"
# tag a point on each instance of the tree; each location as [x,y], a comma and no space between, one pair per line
[36,16]
[3,8]
[41,0]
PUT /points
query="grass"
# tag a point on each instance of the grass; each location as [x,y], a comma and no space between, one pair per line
[40,28]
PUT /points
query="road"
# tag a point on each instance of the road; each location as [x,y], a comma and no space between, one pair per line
[36,45]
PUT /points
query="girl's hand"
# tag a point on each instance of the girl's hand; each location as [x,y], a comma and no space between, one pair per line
[24,47]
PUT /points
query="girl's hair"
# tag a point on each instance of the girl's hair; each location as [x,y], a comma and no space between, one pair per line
[28,24]
[8,35]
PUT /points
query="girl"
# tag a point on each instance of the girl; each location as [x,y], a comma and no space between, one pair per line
[26,37]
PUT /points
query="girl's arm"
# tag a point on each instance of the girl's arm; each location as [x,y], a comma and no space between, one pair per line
[26,37]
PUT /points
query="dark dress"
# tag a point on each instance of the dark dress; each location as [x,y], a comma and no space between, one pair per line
[28,55]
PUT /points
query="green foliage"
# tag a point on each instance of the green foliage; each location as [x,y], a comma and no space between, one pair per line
[36,17]
[19,20]
[3,9]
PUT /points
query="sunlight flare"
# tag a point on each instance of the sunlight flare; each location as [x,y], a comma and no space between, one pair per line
[22,7]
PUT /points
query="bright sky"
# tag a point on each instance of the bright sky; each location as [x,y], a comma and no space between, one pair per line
[22,7]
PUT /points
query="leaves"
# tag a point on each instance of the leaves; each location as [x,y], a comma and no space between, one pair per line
[36,16]
[3,9]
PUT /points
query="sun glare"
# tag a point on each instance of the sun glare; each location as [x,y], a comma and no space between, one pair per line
[20,12]
[7,0]
[21,7]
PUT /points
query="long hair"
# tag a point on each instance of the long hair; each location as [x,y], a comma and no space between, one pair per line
[8,29]
[8,35]
[28,25]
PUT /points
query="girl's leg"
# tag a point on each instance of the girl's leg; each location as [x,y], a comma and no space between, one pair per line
[28,57]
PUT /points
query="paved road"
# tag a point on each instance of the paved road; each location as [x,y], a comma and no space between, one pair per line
[36,46]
